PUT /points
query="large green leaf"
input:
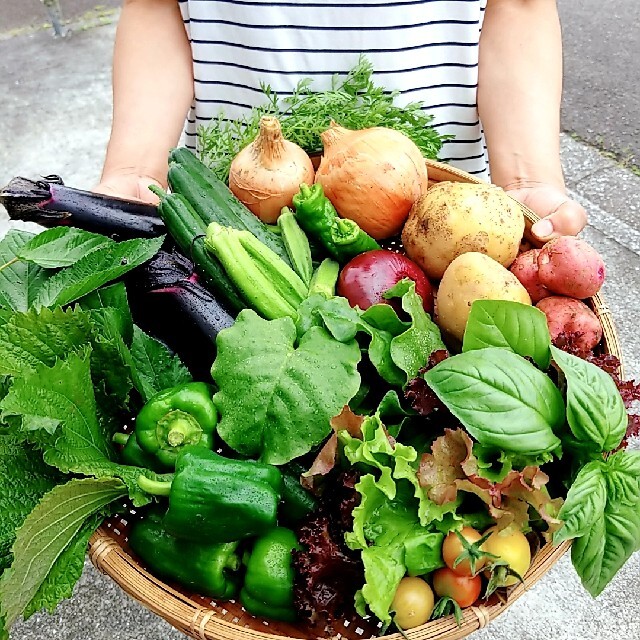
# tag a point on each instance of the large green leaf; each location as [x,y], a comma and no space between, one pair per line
[502,400]
[95,270]
[411,349]
[585,503]
[33,338]
[24,479]
[155,368]
[623,477]
[56,409]
[511,325]
[48,530]
[60,581]
[276,399]
[600,553]
[20,282]
[114,297]
[595,410]
[61,247]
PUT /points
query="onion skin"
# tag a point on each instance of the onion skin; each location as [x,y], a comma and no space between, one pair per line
[365,279]
[267,173]
[372,176]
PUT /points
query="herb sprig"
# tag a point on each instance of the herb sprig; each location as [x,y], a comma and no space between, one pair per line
[354,102]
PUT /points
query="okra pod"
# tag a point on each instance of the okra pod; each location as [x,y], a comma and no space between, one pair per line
[297,244]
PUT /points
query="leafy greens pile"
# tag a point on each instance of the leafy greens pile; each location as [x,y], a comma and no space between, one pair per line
[73,369]
[521,416]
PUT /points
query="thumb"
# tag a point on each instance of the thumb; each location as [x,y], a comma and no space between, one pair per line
[567,220]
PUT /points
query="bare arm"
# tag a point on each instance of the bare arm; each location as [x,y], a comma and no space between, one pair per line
[519,91]
[152,92]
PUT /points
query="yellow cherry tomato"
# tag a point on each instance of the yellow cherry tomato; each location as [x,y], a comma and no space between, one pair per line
[513,548]
[413,603]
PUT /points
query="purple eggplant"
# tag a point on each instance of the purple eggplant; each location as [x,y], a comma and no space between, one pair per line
[168,300]
[50,203]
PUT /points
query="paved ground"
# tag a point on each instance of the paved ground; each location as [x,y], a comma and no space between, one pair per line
[601,98]
[18,14]
[55,121]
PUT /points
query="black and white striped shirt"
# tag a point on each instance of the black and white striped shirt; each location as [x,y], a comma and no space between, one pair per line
[425,49]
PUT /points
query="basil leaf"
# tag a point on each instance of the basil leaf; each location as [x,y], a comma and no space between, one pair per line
[502,400]
[510,325]
[276,398]
[95,270]
[623,477]
[61,247]
[585,503]
[598,555]
[595,410]
[20,282]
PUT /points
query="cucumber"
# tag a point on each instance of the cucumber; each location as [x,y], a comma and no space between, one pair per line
[188,232]
[212,200]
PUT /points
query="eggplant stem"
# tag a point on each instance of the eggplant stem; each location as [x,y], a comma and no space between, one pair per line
[8,264]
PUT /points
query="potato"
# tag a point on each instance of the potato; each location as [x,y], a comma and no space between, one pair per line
[525,268]
[569,266]
[473,276]
[453,218]
[571,322]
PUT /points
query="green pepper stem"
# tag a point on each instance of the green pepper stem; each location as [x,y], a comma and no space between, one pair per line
[179,428]
[154,487]
[120,438]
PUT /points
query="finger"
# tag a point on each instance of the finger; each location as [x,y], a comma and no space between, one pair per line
[144,194]
[567,220]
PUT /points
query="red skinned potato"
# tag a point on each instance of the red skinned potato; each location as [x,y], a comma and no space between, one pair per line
[365,278]
[525,268]
[569,266]
[571,320]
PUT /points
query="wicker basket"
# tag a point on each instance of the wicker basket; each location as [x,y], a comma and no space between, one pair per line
[205,619]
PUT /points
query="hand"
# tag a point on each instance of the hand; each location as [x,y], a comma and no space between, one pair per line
[561,216]
[129,186]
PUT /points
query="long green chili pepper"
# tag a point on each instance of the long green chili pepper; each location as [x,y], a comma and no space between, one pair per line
[343,239]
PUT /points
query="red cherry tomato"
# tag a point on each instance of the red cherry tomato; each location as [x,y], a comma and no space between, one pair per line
[365,278]
[464,590]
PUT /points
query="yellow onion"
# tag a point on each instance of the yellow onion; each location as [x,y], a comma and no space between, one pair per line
[372,176]
[267,173]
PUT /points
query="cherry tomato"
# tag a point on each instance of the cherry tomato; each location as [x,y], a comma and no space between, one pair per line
[465,590]
[452,548]
[365,278]
[413,603]
[512,547]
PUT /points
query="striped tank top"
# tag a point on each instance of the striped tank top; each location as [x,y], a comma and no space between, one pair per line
[427,50]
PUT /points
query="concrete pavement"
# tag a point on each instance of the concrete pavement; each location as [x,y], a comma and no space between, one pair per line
[55,118]
[601,100]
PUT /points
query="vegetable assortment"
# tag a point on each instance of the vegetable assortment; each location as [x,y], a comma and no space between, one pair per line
[348,450]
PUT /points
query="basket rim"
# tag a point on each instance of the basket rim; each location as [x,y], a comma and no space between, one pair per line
[205,623]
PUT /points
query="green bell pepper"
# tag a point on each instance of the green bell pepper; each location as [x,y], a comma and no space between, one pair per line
[218,498]
[175,418]
[297,502]
[209,569]
[132,454]
[268,583]
[343,239]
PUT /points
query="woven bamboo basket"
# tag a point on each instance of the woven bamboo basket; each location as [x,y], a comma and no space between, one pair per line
[205,619]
